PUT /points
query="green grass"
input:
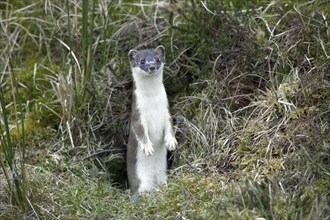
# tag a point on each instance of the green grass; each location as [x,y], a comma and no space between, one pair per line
[248,84]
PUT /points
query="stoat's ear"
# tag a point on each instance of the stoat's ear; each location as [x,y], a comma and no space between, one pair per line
[161,51]
[131,54]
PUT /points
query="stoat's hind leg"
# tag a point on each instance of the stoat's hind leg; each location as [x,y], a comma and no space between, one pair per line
[134,198]
[161,178]
[161,166]
[145,171]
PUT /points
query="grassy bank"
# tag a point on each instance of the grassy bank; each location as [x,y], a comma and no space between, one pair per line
[248,85]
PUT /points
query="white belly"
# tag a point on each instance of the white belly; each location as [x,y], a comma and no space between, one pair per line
[151,170]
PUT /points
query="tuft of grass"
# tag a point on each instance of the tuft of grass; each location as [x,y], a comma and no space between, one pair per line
[12,151]
[15,185]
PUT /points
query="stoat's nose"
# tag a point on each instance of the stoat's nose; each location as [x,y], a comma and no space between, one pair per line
[152,68]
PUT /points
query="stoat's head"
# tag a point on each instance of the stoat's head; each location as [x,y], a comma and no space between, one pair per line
[147,62]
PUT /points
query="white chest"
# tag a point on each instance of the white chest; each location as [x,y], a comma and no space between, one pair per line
[153,109]
[152,104]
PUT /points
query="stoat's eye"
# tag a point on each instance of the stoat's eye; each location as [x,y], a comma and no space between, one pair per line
[143,61]
[157,59]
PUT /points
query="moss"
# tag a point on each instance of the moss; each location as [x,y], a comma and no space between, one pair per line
[191,194]
[281,207]
[322,186]
[34,92]
[260,36]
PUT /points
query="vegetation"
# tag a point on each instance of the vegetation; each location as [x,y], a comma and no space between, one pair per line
[249,88]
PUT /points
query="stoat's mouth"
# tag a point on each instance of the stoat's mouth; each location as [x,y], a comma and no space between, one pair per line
[151,72]
[152,69]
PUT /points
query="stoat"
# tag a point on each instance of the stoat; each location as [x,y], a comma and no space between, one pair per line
[151,130]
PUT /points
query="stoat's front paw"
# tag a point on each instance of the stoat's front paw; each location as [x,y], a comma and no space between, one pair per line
[147,148]
[170,142]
